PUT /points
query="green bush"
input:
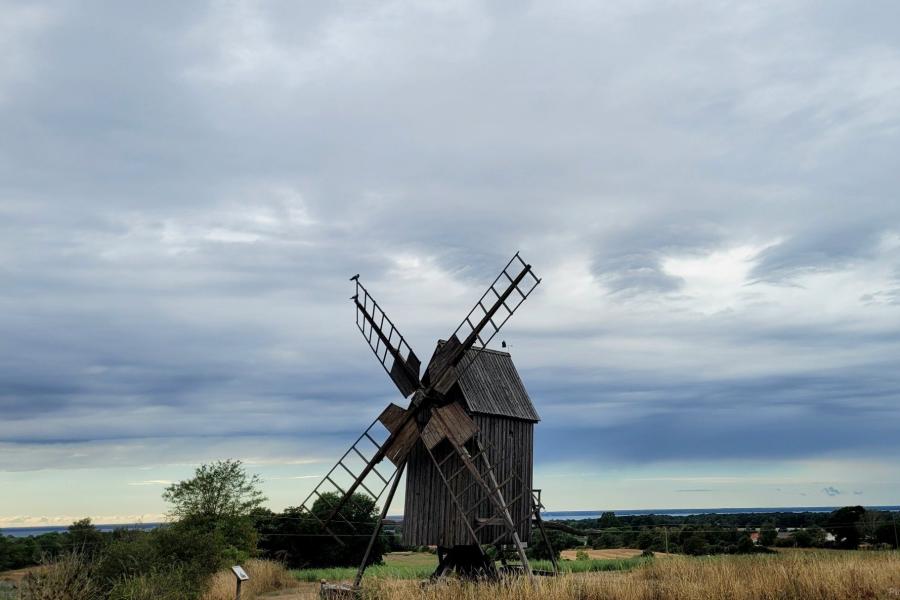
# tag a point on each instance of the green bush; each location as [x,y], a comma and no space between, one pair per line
[695,545]
[198,554]
[131,553]
[136,561]
[559,541]
[768,535]
[788,542]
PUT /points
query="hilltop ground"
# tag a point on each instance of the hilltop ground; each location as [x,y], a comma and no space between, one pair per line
[791,575]
[787,575]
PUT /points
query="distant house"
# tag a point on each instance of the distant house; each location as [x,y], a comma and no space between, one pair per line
[754,537]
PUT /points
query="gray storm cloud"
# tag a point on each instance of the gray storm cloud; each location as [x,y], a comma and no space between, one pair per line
[708,191]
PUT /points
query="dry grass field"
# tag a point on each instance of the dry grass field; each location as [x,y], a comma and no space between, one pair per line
[605,554]
[806,575]
[265,576]
[827,575]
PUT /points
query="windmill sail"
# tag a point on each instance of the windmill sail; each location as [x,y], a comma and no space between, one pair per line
[501,300]
[355,469]
[389,346]
[498,303]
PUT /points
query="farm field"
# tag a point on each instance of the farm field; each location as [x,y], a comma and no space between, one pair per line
[824,575]
[606,553]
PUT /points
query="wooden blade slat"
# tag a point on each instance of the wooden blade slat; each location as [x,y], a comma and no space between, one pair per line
[455,424]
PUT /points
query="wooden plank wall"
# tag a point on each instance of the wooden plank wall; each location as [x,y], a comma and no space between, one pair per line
[430,517]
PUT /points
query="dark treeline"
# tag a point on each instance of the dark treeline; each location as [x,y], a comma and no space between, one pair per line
[740,520]
[203,536]
[850,527]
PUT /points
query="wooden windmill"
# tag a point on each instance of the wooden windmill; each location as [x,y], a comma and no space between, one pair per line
[465,439]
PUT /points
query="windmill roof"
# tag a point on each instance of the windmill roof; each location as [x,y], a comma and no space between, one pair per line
[491,385]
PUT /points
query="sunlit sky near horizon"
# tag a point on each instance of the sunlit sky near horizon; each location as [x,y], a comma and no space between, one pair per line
[708,190]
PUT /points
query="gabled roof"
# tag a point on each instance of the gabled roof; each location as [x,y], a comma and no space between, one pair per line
[492,386]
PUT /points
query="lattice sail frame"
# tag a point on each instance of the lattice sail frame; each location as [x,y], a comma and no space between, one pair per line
[518,276]
[347,471]
[390,347]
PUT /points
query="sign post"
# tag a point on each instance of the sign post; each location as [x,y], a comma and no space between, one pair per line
[241,575]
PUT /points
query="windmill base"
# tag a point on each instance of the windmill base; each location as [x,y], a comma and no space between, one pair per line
[469,562]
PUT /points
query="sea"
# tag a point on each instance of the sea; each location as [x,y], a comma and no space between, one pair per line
[29,531]
[560,515]
[555,515]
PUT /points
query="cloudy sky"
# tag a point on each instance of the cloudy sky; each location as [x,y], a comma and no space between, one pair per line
[708,189]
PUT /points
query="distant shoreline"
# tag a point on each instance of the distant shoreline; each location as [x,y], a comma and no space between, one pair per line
[554,515]
[40,530]
[595,514]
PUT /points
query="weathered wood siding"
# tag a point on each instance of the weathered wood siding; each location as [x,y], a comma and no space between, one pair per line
[430,517]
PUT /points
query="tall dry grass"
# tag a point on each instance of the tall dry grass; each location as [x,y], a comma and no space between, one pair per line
[795,576]
[265,576]
[70,577]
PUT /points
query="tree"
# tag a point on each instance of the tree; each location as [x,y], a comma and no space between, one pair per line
[694,544]
[296,537]
[802,538]
[220,490]
[744,544]
[818,535]
[221,498]
[559,540]
[888,533]
[869,523]
[646,539]
[5,558]
[608,519]
[843,524]
[768,535]
[84,537]
[811,537]
[608,539]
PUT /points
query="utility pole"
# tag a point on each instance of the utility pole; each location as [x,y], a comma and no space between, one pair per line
[666,533]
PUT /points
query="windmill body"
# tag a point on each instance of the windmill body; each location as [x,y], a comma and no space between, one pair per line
[492,393]
[464,438]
